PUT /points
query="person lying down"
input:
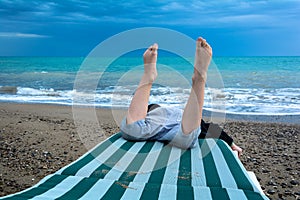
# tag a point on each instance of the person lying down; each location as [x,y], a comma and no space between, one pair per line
[178,127]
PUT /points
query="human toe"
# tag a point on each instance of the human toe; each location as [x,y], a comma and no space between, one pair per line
[154,47]
[200,41]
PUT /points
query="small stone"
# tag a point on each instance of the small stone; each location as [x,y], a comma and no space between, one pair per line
[271,182]
[283,185]
[287,192]
[293,173]
[294,182]
[270,191]
[265,170]
[297,193]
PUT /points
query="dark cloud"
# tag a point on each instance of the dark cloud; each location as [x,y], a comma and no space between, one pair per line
[86,21]
[149,12]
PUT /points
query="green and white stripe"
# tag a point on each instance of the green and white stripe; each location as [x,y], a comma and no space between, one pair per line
[120,169]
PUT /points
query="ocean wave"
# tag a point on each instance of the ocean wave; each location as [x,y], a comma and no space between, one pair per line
[36,92]
[41,72]
[245,101]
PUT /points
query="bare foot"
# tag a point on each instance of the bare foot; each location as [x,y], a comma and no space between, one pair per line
[150,58]
[202,58]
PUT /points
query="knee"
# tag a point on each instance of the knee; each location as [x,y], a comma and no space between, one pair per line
[133,131]
[186,141]
[129,129]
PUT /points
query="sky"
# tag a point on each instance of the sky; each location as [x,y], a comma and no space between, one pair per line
[75,27]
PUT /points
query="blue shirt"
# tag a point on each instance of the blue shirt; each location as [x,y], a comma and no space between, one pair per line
[160,124]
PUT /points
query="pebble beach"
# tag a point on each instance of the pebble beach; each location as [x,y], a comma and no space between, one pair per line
[38,139]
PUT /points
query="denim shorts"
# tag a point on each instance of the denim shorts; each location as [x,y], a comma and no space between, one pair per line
[161,124]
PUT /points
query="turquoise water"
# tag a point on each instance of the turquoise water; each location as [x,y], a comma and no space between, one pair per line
[250,85]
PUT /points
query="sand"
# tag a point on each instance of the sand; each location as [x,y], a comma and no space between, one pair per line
[38,139]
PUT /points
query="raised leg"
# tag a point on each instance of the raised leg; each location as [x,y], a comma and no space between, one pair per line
[192,114]
[139,103]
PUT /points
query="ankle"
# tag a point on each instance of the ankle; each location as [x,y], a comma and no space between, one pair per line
[150,72]
[199,77]
[149,77]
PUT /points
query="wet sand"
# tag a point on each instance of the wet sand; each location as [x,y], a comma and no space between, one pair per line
[37,140]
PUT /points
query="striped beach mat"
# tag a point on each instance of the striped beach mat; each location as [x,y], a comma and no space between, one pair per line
[120,169]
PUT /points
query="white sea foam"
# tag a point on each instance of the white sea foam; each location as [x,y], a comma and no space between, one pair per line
[284,101]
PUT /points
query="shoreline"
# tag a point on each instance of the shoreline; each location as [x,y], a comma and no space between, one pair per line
[290,119]
[260,118]
[38,139]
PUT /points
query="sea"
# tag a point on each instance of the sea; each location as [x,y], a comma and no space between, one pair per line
[242,85]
